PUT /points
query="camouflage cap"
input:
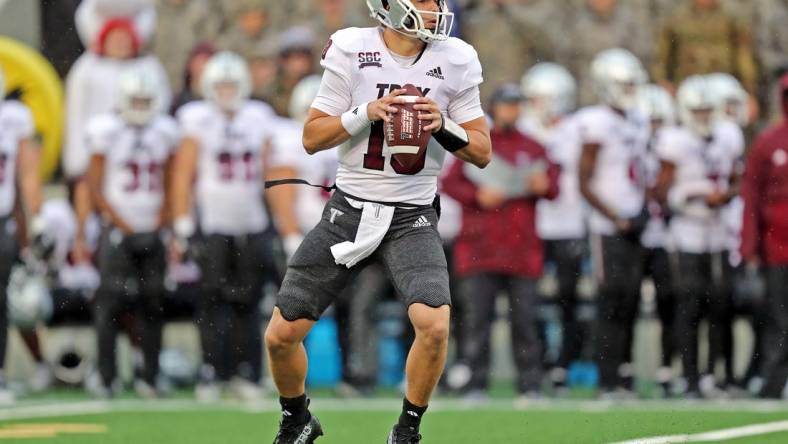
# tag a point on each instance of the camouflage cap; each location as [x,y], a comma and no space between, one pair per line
[297,38]
[234,8]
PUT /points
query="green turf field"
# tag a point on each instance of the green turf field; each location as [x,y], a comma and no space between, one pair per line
[368,421]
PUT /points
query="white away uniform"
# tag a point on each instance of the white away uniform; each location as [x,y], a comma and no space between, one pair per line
[16,125]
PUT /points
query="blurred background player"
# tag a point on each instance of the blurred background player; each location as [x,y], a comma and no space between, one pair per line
[129,169]
[516,265]
[219,171]
[765,241]
[658,106]
[697,179]
[550,92]
[20,201]
[614,137]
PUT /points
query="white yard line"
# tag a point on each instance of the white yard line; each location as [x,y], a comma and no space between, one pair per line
[715,435]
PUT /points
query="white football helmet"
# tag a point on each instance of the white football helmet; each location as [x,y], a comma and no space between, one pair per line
[140,95]
[732,96]
[617,74]
[698,105]
[226,80]
[303,95]
[656,103]
[403,17]
[549,90]
[29,300]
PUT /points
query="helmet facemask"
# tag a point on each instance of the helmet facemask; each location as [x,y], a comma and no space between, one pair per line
[226,81]
[403,16]
[140,94]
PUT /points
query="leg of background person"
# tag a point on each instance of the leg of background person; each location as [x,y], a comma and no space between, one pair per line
[480,292]
[616,296]
[9,251]
[371,285]
[568,256]
[666,310]
[458,333]
[775,348]
[150,316]
[214,311]
[105,319]
[691,286]
[526,344]
[3,326]
[721,316]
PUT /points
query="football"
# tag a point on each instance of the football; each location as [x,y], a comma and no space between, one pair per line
[405,135]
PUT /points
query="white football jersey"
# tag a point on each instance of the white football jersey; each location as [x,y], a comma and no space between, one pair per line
[702,166]
[565,216]
[618,180]
[360,69]
[229,185]
[135,159]
[16,125]
[317,169]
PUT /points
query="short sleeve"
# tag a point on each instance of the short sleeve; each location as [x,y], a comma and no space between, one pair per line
[592,127]
[100,133]
[170,131]
[333,97]
[21,119]
[472,77]
[466,106]
[191,119]
[668,146]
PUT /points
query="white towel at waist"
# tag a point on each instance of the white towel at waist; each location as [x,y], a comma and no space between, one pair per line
[374,224]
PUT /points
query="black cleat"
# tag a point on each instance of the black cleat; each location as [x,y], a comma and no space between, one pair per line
[299,433]
[404,435]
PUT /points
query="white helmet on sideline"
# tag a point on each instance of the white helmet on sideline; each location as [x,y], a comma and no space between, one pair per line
[617,74]
[29,300]
[403,17]
[656,103]
[549,90]
[140,95]
[697,104]
[226,81]
[732,97]
[303,95]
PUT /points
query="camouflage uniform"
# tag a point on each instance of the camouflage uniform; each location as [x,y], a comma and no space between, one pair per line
[626,27]
[771,43]
[508,43]
[233,38]
[182,24]
[700,42]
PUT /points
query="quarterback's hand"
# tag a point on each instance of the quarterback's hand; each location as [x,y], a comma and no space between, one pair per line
[381,109]
[490,198]
[430,112]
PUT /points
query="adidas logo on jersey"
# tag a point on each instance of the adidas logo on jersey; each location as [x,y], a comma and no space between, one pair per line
[421,222]
[436,72]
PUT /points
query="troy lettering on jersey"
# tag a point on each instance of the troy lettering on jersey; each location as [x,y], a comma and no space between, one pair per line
[387,88]
[367,59]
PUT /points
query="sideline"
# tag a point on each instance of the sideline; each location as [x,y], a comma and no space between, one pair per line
[714,435]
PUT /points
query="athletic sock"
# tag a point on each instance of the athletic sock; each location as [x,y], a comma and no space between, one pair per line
[295,410]
[411,414]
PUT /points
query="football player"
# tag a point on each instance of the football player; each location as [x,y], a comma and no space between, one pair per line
[550,92]
[219,170]
[131,151]
[614,136]
[698,177]
[657,104]
[20,200]
[387,204]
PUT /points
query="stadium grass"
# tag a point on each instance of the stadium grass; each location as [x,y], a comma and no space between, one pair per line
[568,424]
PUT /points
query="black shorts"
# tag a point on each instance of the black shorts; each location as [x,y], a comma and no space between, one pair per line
[131,265]
[411,253]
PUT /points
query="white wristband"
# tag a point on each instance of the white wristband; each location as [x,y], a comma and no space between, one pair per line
[184,227]
[356,120]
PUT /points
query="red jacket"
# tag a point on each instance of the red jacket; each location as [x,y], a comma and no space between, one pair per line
[502,240]
[765,193]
